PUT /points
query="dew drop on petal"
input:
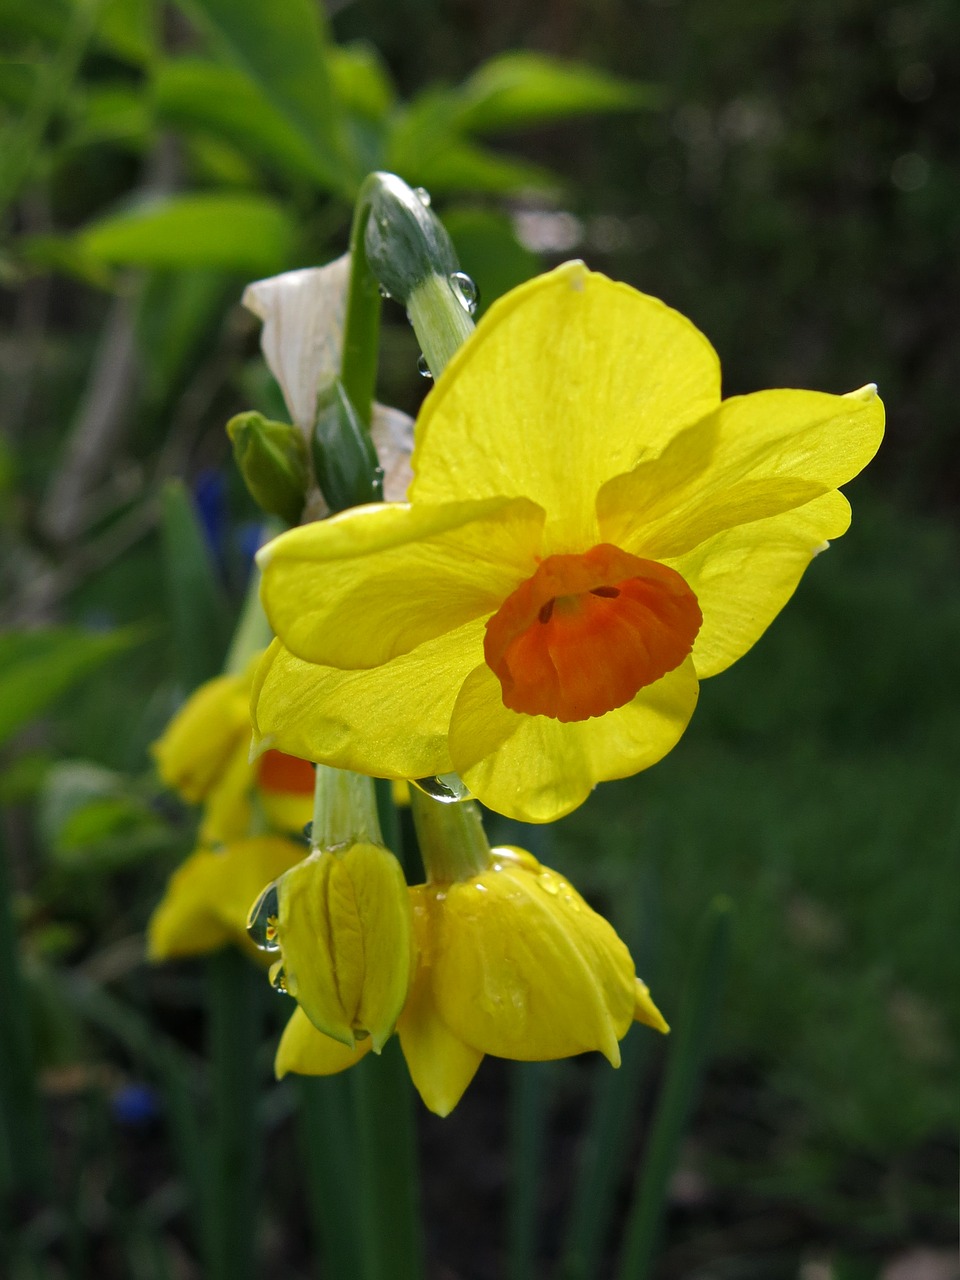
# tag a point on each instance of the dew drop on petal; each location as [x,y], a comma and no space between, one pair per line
[423,195]
[262,920]
[466,291]
[278,979]
[448,788]
[423,368]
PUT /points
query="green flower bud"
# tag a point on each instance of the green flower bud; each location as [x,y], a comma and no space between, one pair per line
[348,470]
[272,458]
[405,241]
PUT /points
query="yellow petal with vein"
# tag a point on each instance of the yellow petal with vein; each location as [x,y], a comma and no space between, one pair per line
[375,582]
[568,381]
[744,576]
[391,722]
[537,769]
[755,457]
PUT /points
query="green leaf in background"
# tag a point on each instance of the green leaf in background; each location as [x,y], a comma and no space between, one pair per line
[91,818]
[36,667]
[489,251]
[282,47]
[426,148]
[248,234]
[514,90]
[129,29]
[191,94]
[361,80]
[112,113]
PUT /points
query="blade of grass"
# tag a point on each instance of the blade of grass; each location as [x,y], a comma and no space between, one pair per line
[684,1067]
[613,1114]
[327,1143]
[233,1036]
[389,1188]
[530,1095]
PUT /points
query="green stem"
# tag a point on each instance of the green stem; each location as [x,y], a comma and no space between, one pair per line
[344,809]
[361,331]
[439,320]
[328,1154]
[452,840]
[389,1178]
[677,1094]
[233,1029]
[529,1104]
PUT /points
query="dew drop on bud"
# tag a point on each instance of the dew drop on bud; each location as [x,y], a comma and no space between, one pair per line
[278,979]
[448,788]
[262,920]
[423,368]
[423,195]
[384,292]
[467,293]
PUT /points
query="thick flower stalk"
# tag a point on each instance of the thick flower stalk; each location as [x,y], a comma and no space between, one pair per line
[590,531]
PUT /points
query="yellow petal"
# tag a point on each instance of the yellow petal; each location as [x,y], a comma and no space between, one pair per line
[200,740]
[755,457]
[207,899]
[523,968]
[647,1012]
[345,938]
[376,581]
[308,1052]
[744,576]
[537,769]
[390,722]
[568,381]
[227,811]
[440,1065]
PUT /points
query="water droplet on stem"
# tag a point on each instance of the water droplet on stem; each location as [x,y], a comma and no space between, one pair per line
[467,293]
[423,368]
[263,918]
[448,788]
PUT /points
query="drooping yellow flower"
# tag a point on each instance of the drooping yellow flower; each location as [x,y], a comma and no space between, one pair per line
[207,898]
[510,962]
[341,923]
[204,754]
[590,531]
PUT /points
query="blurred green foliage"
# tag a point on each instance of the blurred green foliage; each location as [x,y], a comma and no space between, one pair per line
[779,171]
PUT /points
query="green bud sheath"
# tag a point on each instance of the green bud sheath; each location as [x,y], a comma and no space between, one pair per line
[346,463]
[272,458]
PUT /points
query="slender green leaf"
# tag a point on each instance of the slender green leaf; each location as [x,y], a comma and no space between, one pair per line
[529,1105]
[37,667]
[198,607]
[249,234]
[282,47]
[194,94]
[234,1016]
[514,90]
[684,1068]
[327,1144]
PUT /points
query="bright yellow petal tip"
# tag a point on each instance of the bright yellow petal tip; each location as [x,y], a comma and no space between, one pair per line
[646,1011]
[305,1051]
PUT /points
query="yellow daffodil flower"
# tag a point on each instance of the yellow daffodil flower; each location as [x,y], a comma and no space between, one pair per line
[341,923]
[589,533]
[207,899]
[510,962]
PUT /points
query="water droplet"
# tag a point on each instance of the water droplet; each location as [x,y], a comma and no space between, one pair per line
[448,788]
[548,883]
[278,979]
[468,295]
[383,291]
[423,368]
[423,195]
[262,920]
[308,832]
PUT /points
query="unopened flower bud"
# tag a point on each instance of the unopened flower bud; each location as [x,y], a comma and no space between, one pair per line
[272,459]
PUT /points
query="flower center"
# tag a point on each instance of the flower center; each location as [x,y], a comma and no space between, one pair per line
[587,632]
